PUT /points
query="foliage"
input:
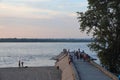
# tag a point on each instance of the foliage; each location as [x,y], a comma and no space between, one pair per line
[103,19]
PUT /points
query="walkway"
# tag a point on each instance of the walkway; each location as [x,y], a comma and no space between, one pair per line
[87,71]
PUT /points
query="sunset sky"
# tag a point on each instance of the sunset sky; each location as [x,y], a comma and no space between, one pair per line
[41,18]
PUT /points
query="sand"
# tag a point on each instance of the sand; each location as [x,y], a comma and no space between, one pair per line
[30,73]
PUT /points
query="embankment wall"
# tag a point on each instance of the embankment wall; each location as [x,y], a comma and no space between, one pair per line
[66,68]
[112,76]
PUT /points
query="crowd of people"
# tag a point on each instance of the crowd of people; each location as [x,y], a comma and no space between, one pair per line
[76,55]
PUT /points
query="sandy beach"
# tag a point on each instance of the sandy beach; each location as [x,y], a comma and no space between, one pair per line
[30,73]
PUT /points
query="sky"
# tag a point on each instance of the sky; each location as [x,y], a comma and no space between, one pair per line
[41,18]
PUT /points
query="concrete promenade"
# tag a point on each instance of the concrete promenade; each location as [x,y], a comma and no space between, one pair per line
[86,71]
[78,69]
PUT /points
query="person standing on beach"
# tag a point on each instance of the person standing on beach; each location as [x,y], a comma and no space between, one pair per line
[19,63]
[22,63]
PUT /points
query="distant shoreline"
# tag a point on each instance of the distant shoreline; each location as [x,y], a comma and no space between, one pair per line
[43,40]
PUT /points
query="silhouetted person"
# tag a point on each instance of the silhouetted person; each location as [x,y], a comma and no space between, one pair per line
[68,50]
[85,57]
[83,51]
[81,55]
[77,54]
[19,63]
[78,50]
[65,51]
[22,63]
[70,59]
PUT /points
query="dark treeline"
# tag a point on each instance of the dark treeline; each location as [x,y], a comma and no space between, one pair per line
[102,19]
[43,40]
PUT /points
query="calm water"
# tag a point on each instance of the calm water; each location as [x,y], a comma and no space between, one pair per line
[35,54]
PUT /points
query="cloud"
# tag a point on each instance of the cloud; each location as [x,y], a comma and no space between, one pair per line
[39,18]
[52,9]
[34,0]
[12,11]
[25,11]
[73,7]
[28,0]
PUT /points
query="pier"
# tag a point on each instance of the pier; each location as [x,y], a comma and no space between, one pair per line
[87,71]
[82,69]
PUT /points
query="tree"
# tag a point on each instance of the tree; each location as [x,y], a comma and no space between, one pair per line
[103,20]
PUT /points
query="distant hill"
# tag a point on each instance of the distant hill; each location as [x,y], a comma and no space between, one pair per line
[43,40]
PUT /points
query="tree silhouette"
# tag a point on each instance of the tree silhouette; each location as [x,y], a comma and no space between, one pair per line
[103,19]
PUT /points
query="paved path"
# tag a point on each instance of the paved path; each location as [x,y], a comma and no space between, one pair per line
[31,73]
[87,71]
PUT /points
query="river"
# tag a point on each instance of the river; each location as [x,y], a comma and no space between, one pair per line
[36,54]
